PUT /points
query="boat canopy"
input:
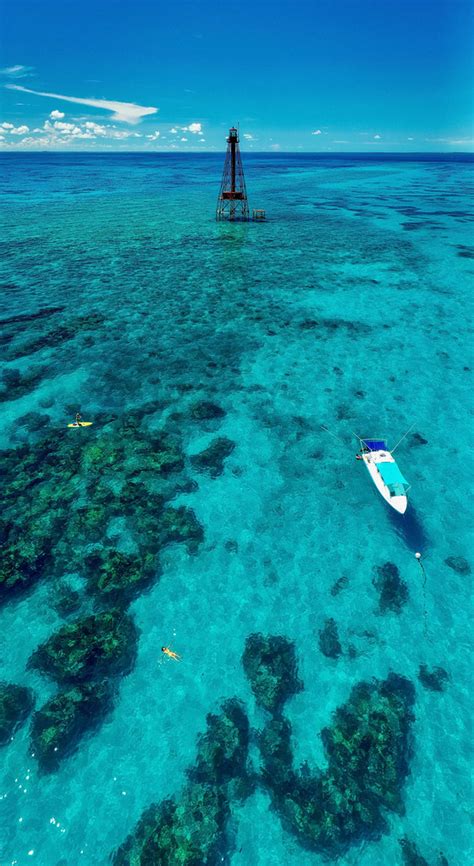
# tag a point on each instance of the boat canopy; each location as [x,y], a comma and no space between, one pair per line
[375,444]
[393,478]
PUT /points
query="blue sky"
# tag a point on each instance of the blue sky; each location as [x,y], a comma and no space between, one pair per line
[326,75]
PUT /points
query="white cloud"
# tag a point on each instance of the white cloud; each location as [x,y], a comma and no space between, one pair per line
[183,139]
[35,142]
[377,137]
[410,139]
[154,136]
[316,132]
[56,115]
[275,146]
[17,71]
[122,133]
[96,128]
[70,128]
[248,136]
[7,126]
[19,130]
[127,112]
[202,139]
[193,128]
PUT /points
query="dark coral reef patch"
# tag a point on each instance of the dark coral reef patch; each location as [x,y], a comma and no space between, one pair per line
[204,410]
[434,679]
[87,655]
[16,704]
[329,643]
[118,577]
[61,493]
[393,591]
[89,648]
[367,748]
[367,751]
[270,665]
[192,829]
[410,854]
[459,564]
[60,724]
[211,460]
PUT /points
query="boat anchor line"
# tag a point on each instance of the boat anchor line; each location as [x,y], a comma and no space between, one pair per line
[423,585]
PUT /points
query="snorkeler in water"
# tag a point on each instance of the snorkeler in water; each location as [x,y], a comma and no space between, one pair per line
[169,652]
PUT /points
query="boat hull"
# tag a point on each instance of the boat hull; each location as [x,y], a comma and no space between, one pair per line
[371,458]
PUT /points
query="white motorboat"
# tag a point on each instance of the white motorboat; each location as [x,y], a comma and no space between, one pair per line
[384,471]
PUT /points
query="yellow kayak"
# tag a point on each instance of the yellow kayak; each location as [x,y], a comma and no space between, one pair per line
[81,424]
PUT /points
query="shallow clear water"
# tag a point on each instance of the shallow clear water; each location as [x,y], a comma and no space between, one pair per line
[350,307]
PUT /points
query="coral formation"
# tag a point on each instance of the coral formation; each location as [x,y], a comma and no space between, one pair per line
[59,724]
[16,703]
[367,749]
[418,439]
[434,679]
[339,585]
[191,830]
[459,564]
[204,410]
[410,854]
[329,639]
[65,599]
[118,577]
[270,665]
[211,460]
[88,648]
[16,383]
[61,334]
[23,561]
[392,588]
[61,493]
[222,750]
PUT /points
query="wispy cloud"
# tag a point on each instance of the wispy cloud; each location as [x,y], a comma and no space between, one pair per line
[316,132]
[467,141]
[127,112]
[17,71]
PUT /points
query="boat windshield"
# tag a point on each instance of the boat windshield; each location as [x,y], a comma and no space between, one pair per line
[393,478]
[375,444]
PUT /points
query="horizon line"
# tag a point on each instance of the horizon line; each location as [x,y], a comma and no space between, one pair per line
[246,152]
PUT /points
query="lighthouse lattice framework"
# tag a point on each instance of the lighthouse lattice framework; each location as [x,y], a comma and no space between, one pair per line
[232,203]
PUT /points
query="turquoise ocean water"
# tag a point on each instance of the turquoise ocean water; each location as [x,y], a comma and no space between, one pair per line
[350,307]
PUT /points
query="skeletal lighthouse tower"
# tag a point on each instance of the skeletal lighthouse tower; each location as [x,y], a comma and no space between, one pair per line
[232,203]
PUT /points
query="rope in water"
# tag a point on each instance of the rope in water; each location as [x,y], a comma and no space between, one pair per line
[423,585]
